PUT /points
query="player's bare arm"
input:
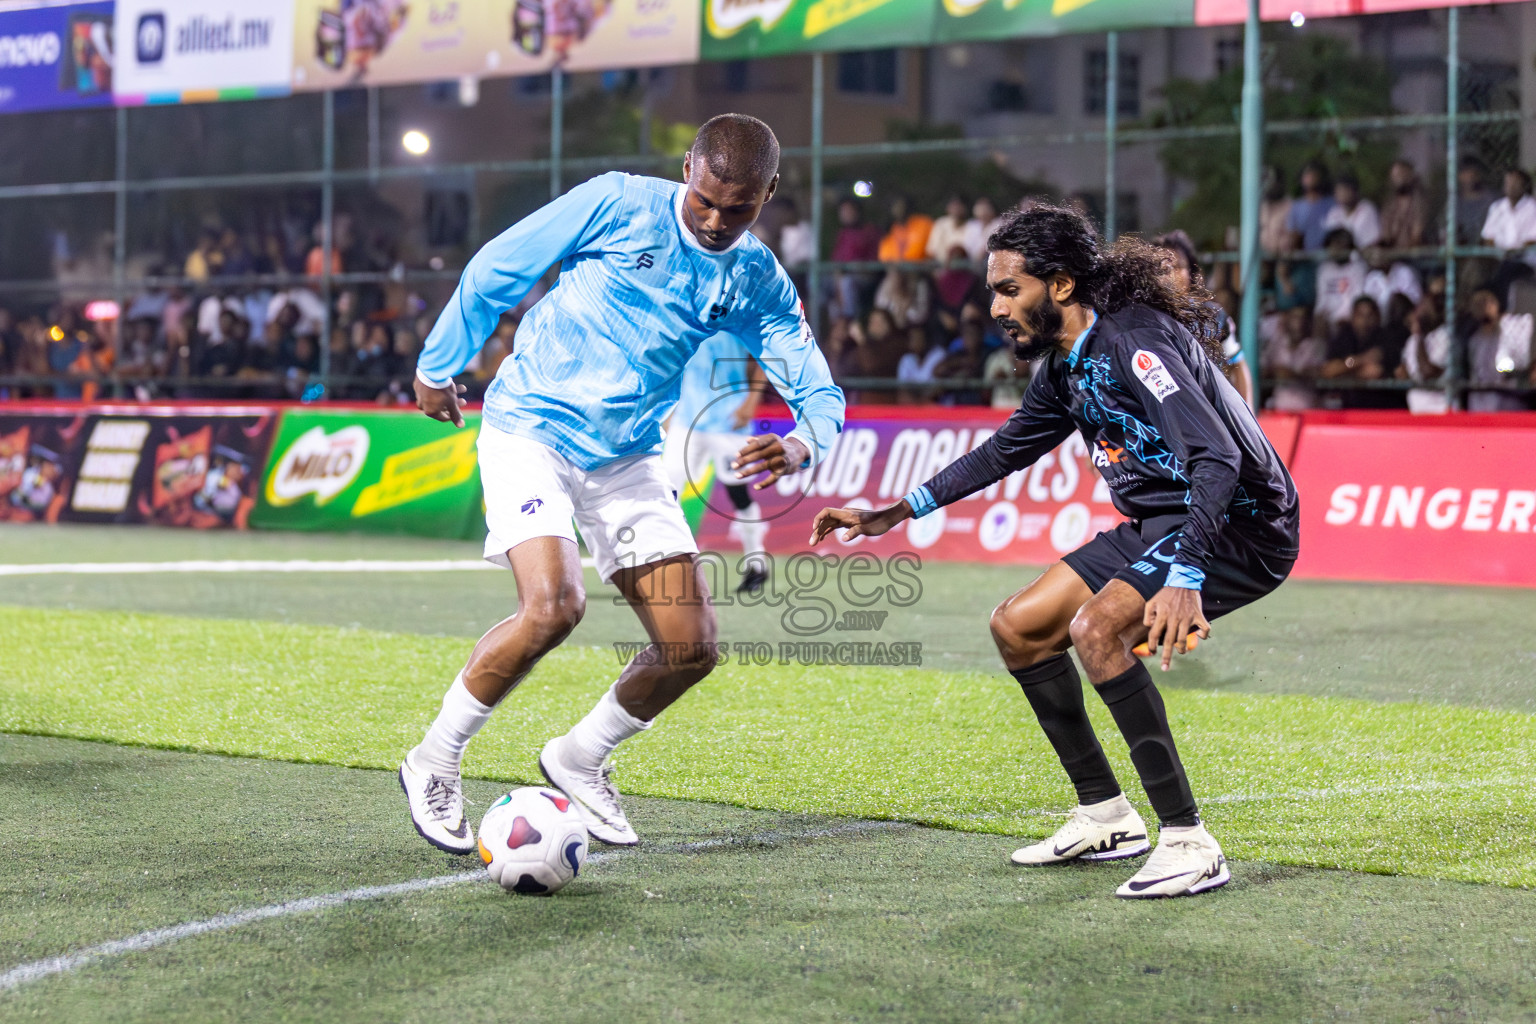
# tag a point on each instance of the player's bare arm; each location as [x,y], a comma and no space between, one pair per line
[769,453]
[859,522]
[442,404]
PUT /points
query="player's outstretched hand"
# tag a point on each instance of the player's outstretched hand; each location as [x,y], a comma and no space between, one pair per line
[1172,614]
[769,453]
[857,522]
[441,403]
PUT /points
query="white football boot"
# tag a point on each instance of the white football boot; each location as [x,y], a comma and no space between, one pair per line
[1186,861]
[1108,830]
[437,808]
[592,793]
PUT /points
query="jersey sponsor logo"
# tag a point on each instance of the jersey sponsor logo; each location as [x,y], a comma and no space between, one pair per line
[1152,373]
[1105,456]
[531,506]
[645,262]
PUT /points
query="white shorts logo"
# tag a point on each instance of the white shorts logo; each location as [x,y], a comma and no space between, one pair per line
[1150,369]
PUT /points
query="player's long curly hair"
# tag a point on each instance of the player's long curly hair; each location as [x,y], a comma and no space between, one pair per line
[1056,240]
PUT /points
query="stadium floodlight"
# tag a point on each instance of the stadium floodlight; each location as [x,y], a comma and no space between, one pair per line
[1298,19]
[416,142]
[863,189]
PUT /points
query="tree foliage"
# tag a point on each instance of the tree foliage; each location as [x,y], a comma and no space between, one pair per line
[1307,77]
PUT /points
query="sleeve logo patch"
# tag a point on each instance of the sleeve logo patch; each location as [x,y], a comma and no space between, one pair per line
[1151,371]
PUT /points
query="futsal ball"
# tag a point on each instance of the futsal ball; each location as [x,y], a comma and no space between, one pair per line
[533,841]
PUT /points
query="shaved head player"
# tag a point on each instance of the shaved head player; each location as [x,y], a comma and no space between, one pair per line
[1212,523]
[649,269]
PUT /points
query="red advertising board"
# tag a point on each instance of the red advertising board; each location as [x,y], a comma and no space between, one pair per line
[1234,12]
[1033,517]
[1442,500]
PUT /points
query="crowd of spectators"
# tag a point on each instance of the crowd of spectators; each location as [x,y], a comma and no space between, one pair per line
[909,306]
[1356,305]
[1353,297]
[222,331]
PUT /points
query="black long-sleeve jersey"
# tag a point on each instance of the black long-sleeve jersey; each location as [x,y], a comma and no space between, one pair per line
[1169,435]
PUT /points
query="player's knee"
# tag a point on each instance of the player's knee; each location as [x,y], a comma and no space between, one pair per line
[1091,629]
[1023,632]
[698,656]
[1004,633]
[550,615]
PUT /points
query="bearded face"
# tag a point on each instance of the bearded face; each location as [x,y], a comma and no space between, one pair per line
[1022,306]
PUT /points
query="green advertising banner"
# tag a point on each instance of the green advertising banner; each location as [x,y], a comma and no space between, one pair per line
[383,472]
[736,29]
[964,20]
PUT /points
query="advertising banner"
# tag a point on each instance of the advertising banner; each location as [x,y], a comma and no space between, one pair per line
[184,51]
[340,43]
[385,472]
[1033,517]
[1233,12]
[737,29]
[37,463]
[1451,503]
[55,55]
[167,467]
[1009,19]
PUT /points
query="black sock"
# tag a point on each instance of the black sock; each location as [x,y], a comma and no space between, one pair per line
[1056,693]
[741,498]
[1138,710]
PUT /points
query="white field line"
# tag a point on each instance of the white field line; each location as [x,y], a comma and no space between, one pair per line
[1323,793]
[249,565]
[1330,792]
[36,970]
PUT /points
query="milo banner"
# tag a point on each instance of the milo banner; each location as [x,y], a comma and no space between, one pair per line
[387,472]
[1034,516]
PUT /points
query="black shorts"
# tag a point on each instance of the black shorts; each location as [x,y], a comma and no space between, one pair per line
[1139,553]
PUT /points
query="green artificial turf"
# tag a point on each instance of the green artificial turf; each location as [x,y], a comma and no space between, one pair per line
[762,922]
[1429,790]
[1464,645]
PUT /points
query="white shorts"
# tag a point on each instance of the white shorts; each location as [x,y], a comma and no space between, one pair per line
[688,455]
[625,510]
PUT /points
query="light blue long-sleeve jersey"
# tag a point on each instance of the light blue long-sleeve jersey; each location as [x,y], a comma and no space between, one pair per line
[597,361]
[715,383]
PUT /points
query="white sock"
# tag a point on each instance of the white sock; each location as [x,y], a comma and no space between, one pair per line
[441,751]
[1106,811]
[752,529]
[605,727]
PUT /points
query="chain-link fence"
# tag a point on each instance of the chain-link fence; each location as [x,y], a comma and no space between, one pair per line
[301,247]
